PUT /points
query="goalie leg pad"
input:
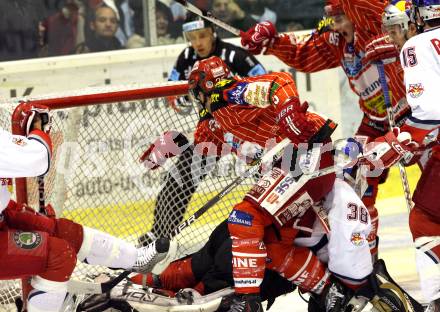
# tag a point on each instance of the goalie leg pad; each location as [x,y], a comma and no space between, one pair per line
[388,295]
[99,248]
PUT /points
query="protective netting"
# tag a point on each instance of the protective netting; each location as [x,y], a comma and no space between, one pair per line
[96,178]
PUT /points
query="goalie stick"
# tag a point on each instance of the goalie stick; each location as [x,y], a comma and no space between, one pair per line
[325,132]
[209,17]
[390,115]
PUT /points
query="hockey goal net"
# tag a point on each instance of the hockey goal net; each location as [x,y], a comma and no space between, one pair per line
[96,178]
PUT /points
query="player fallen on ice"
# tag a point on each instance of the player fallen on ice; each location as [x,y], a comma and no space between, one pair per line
[43,246]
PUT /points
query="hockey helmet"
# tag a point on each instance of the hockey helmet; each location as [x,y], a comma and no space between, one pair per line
[397,13]
[193,23]
[205,74]
[333,7]
[427,9]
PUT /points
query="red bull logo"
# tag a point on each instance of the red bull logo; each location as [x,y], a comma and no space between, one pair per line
[357,239]
[415,90]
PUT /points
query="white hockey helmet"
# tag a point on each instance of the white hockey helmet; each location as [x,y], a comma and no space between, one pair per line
[428,9]
[397,13]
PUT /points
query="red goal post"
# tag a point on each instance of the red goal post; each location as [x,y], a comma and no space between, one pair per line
[96,178]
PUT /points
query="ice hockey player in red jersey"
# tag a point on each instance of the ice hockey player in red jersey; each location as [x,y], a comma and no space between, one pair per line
[356,23]
[415,29]
[260,110]
[45,247]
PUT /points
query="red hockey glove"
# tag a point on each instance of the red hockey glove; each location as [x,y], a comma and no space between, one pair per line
[380,49]
[32,114]
[258,38]
[296,123]
[180,104]
[169,144]
[21,207]
[387,150]
[49,211]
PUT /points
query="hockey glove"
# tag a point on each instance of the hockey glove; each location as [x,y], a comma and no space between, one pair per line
[296,123]
[380,49]
[387,150]
[180,104]
[169,144]
[258,38]
[34,116]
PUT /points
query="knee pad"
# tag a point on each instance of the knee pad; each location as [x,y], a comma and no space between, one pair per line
[61,260]
[100,248]
[300,266]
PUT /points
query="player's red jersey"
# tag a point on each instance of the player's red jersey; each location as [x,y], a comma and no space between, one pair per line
[329,50]
[251,103]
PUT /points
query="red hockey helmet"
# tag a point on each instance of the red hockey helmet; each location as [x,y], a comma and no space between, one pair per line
[333,7]
[205,74]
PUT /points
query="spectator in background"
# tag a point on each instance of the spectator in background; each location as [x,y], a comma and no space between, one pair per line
[63,27]
[22,34]
[124,15]
[258,10]
[230,12]
[168,31]
[307,13]
[179,12]
[103,29]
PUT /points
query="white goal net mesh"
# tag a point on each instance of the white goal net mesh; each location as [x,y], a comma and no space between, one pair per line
[96,178]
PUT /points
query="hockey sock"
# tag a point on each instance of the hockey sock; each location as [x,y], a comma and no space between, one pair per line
[47,296]
[178,275]
[103,249]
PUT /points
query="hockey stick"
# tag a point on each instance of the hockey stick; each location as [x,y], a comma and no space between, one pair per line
[390,114]
[99,288]
[209,17]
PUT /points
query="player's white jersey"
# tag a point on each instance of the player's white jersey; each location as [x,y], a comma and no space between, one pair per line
[420,59]
[21,157]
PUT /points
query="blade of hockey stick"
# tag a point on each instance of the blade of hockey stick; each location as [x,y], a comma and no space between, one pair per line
[99,288]
[209,17]
[390,114]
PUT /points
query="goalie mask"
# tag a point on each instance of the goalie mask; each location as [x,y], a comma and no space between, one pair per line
[204,75]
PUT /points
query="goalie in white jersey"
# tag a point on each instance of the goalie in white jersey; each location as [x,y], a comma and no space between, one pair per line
[43,246]
[415,30]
